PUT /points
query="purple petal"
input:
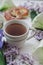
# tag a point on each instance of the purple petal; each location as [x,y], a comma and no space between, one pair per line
[1,44]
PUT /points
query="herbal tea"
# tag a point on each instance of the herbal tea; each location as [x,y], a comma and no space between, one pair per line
[16,29]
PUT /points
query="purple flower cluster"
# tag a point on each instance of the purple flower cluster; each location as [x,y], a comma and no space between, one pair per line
[34,5]
[1,36]
[14,57]
[39,35]
[22,59]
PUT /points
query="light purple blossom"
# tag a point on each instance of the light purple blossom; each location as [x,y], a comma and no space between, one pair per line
[39,35]
[1,36]
[37,6]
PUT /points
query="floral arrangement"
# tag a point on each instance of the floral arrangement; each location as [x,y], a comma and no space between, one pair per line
[35,7]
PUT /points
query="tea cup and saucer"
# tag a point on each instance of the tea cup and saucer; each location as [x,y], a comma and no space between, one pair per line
[16,32]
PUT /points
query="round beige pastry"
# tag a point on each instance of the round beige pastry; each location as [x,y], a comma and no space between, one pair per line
[8,16]
[16,13]
[23,11]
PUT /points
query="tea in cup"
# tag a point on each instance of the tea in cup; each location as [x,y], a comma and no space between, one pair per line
[16,32]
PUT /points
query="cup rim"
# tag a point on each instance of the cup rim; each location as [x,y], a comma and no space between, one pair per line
[12,35]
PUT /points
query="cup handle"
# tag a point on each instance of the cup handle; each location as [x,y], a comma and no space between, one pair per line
[33,34]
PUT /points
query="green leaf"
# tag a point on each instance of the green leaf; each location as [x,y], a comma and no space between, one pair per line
[38,22]
[2,60]
[33,14]
[38,55]
[6,5]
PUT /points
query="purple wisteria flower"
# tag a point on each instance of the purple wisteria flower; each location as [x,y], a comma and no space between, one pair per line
[37,6]
[39,35]
[1,36]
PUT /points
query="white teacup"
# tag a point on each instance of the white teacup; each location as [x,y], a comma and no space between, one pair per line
[17,40]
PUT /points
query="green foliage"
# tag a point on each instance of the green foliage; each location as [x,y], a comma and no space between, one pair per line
[33,14]
[2,60]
